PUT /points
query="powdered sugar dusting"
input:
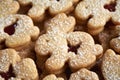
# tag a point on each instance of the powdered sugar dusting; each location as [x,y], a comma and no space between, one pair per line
[26,69]
[8,7]
[84,74]
[110,66]
[40,6]
[24,27]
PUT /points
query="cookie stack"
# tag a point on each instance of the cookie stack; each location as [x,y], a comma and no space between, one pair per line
[59,40]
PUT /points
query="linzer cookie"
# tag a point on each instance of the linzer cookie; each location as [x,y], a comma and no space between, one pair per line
[8,7]
[85,51]
[97,13]
[60,20]
[111,65]
[84,74]
[12,67]
[17,30]
[40,6]
[76,48]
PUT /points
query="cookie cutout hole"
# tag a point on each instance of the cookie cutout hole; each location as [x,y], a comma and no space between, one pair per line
[110,7]
[9,74]
[57,0]
[73,48]
[10,29]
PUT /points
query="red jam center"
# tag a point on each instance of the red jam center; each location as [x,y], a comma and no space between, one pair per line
[10,29]
[9,74]
[73,48]
[110,7]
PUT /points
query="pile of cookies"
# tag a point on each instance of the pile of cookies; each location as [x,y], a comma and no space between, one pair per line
[59,39]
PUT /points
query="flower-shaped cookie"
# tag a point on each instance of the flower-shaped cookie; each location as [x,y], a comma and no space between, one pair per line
[98,12]
[8,7]
[76,48]
[52,77]
[13,68]
[84,74]
[17,30]
[84,50]
[40,6]
[111,65]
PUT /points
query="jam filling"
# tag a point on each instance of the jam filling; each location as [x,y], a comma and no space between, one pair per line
[110,7]
[10,29]
[73,48]
[9,74]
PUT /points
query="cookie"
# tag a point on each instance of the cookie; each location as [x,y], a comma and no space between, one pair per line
[58,47]
[84,74]
[111,65]
[115,44]
[54,6]
[60,20]
[97,13]
[8,7]
[12,67]
[48,45]
[17,30]
[84,50]
[52,77]
[115,41]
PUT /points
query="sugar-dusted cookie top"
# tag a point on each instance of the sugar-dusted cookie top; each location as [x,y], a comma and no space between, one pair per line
[111,65]
[16,30]
[97,13]
[84,50]
[40,6]
[12,67]
[60,22]
[115,44]
[84,74]
[8,7]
